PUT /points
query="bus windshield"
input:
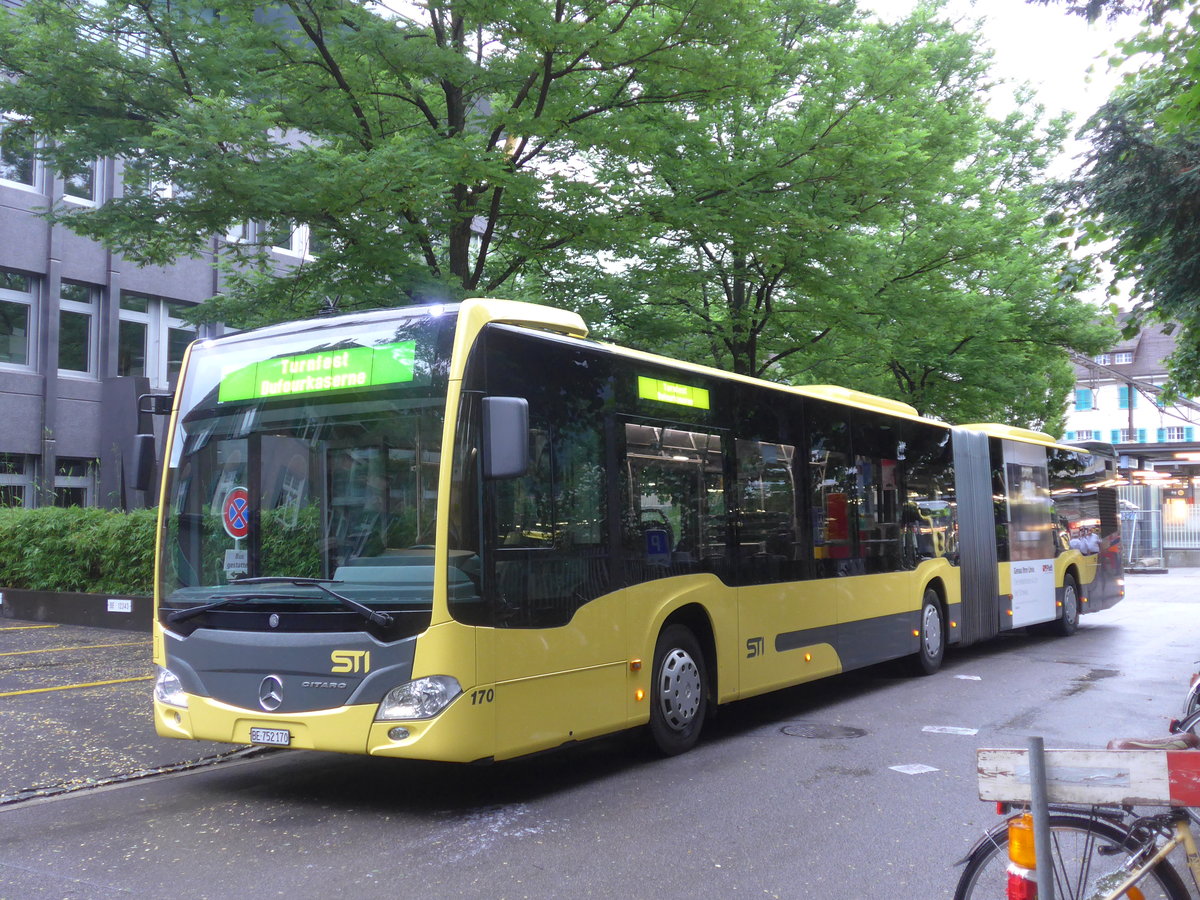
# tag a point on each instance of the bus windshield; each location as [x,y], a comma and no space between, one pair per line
[309,456]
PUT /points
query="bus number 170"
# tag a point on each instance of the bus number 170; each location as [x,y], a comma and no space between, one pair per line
[484,696]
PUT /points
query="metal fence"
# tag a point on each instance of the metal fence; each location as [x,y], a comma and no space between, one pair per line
[1153,523]
[1142,534]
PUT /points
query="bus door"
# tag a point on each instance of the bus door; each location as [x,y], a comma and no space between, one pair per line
[557,651]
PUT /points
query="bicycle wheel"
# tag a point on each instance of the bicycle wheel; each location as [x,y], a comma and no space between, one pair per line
[1084,848]
[1189,722]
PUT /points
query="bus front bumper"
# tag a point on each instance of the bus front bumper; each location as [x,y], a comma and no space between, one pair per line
[455,735]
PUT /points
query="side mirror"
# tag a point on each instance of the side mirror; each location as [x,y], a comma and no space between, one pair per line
[505,437]
[155,404]
[143,462]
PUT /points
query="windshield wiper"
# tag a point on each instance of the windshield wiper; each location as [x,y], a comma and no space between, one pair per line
[373,616]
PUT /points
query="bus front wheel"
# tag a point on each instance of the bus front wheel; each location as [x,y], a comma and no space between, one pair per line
[679,691]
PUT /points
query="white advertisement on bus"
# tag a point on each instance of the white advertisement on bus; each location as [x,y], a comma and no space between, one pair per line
[1030,533]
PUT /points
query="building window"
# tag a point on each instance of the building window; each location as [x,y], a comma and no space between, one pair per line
[16,318]
[77,330]
[16,479]
[1084,399]
[1175,433]
[152,337]
[1084,434]
[238,232]
[1124,358]
[18,163]
[289,238]
[80,183]
[1126,397]
[1104,359]
[74,482]
[1128,436]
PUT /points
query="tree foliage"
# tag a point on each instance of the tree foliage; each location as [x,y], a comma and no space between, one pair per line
[1140,187]
[859,220]
[1092,10]
[433,153]
[777,186]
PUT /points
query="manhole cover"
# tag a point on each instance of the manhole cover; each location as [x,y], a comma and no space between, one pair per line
[815,730]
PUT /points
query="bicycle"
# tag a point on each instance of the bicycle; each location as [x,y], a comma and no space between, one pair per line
[1191,705]
[1099,852]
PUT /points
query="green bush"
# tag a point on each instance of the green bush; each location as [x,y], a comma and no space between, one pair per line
[85,550]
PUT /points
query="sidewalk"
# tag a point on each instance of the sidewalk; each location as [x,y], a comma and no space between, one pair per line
[75,711]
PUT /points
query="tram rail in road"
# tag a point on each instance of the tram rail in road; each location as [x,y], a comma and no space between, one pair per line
[75,711]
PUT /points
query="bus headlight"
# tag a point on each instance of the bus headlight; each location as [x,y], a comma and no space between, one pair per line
[168,690]
[420,699]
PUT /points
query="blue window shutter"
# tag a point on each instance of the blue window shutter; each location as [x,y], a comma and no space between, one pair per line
[1162,435]
[1141,432]
[1189,433]
[1083,398]
[1070,436]
[1116,436]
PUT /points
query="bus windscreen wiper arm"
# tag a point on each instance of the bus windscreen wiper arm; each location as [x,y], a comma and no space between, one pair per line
[377,618]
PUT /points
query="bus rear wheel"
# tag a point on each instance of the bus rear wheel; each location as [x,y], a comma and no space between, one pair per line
[1068,623]
[931,634]
[678,692]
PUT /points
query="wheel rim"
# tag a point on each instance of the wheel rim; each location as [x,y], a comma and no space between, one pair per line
[680,689]
[1070,604]
[931,632]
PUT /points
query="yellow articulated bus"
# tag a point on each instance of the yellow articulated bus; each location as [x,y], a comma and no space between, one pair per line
[467,533]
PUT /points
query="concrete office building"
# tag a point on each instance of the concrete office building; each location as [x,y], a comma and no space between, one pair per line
[84,332]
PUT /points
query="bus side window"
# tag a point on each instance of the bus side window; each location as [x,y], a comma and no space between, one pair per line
[876,442]
[674,501]
[767,525]
[832,478]
[930,513]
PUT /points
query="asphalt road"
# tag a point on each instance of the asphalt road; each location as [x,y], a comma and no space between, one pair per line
[793,795]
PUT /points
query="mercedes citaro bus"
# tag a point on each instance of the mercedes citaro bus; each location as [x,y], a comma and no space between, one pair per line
[466,532]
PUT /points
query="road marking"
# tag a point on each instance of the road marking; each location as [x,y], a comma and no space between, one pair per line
[950,729]
[73,687]
[85,647]
[27,627]
[913,769]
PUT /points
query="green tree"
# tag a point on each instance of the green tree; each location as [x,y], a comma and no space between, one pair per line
[860,221]
[1140,186]
[432,155]
[1111,9]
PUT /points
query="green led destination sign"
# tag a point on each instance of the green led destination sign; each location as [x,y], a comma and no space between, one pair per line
[667,392]
[312,373]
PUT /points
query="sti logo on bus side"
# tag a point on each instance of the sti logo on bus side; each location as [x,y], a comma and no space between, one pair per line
[350,661]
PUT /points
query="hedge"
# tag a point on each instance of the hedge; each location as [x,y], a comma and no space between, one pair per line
[77,549]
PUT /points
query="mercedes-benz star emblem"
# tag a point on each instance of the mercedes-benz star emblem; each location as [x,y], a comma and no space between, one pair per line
[274,620]
[270,693]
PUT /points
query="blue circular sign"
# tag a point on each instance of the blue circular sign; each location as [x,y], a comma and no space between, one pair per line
[235,513]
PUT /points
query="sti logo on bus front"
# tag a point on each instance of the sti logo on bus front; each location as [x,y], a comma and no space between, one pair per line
[350,661]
